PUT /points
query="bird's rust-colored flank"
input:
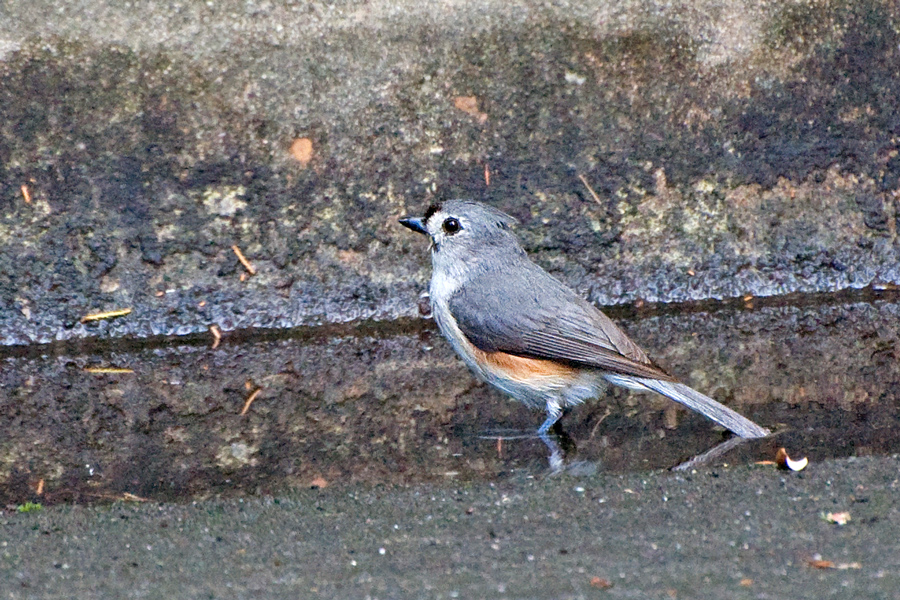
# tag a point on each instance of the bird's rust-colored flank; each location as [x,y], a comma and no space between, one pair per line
[521,368]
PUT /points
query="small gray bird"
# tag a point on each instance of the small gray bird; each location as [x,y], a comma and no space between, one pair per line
[524,332]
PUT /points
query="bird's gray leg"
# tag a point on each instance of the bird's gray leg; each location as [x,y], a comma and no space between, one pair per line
[554,412]
[556,454]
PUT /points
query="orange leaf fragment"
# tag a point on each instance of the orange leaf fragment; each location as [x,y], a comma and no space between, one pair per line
[302,150]
[818,563]
[469,105]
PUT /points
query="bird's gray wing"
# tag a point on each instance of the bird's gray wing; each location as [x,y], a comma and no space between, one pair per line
[526,312]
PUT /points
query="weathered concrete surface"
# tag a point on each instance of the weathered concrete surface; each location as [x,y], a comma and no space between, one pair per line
[737,148]
[375,405]
[741,533]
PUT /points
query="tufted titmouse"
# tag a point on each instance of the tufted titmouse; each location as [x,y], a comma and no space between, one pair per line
[521,330]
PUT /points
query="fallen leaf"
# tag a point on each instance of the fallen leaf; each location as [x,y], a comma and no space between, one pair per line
[786,462]
[601,583]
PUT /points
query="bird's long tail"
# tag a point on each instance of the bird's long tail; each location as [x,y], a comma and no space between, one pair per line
[696,401]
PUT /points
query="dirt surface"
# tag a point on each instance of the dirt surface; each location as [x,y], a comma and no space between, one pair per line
[733,151]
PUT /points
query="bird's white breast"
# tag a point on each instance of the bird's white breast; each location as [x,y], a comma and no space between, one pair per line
[444,284]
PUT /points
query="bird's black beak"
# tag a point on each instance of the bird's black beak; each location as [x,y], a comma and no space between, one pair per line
[414,223]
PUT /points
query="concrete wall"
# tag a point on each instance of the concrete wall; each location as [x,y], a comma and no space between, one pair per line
[735,148]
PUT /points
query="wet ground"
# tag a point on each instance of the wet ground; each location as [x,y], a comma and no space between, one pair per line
[729,157]
[378,403]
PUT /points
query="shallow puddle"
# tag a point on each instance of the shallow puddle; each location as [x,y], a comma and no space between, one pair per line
[176,420]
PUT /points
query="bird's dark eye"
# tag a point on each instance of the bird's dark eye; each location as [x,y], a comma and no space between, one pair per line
[451,225]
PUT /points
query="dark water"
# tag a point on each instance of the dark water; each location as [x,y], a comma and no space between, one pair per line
[391,403]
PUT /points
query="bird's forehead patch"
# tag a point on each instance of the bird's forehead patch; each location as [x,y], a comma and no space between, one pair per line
[436,207]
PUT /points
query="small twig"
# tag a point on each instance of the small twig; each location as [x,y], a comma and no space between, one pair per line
[590,189]
[105,315]
[250,400]
[217,335]
[243,259]
[125,497]
[487,175]
[710,455]
[597,424]
[129,497]
[108,370]
[26,194]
